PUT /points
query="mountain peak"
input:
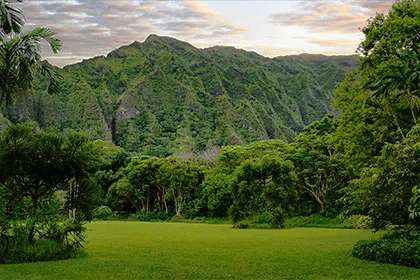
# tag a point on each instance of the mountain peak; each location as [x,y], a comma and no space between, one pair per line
[164,96]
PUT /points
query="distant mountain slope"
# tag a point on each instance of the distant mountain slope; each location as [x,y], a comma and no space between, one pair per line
[165,96]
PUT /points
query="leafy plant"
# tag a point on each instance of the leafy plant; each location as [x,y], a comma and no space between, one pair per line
[102,212]
[395,251]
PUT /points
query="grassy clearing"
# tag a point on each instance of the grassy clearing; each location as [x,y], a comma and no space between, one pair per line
[134,250]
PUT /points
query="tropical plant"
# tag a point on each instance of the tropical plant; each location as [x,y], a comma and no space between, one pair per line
[45,187]
[20,54]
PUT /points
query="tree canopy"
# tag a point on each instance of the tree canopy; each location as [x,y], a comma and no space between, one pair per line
[45,187]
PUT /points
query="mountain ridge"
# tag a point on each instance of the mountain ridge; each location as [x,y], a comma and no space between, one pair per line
[164,96]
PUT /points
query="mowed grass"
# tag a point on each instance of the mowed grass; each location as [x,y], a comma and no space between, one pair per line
[135,250]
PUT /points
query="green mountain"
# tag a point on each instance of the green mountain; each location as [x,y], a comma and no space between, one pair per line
[165,96]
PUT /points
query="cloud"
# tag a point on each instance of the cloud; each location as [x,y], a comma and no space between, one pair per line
[330,17]
[331,45]
[94,27]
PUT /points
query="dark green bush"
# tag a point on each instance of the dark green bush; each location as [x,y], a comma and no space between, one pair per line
[241,225]
[395,251]
[18,249]
[41,250]
[263,220]
[53,241]
[164,216]
[154,216]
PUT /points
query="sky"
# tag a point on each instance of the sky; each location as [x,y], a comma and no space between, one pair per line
[90,28]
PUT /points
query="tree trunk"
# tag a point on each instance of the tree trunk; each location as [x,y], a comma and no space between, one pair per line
[265,196]
[321,203]
[31,233]
[318,198]
[177,212]
[164,203]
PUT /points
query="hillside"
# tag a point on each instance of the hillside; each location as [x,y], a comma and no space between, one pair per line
[165,96]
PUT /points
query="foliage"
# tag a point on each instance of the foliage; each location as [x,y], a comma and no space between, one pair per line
[155,216]
[216,193]
[320,171]
[112,160]
[395,251]
[121,197]
[20,56]
[164,185]
[385,192]
[390,61]
[231,157]
[44,177]
[164,97]
[377,133]
[102,212]
[379,102]
[264,185]
[321,221]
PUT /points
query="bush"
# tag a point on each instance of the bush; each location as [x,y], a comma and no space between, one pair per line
[19,250]
[263,220]
[360,221]
[164,216]
[53,241]
[102,212]
[41,250]
[154,216]
[322,221]
[395,251]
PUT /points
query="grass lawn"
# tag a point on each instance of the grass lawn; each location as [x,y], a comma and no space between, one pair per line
[134,250]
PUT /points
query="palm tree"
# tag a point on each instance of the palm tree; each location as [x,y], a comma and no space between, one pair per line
[398,88]
[20,55]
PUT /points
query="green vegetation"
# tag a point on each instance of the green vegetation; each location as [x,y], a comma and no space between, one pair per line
[378,133]
[20,56]
[321,221]
[395,251]
[165,97]
[133,250]
[45,193]
[170,106]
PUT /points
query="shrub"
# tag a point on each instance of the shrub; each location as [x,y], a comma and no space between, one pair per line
[360,221]
[54,241]
[154,216]
[241,225]
[164,216]
[40,250]
[102,212]
[263,220]
[395,251]
[322,221]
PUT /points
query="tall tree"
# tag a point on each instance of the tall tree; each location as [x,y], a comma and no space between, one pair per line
[264,186]
[317,165]
[379,103]
[378,130]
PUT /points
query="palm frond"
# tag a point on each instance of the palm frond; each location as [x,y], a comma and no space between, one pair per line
[20,57]
[55,78]
[11,17]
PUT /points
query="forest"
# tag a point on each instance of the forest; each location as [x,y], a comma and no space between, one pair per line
[359,160]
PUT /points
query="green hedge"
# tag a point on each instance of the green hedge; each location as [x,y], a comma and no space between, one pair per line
[395,251]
